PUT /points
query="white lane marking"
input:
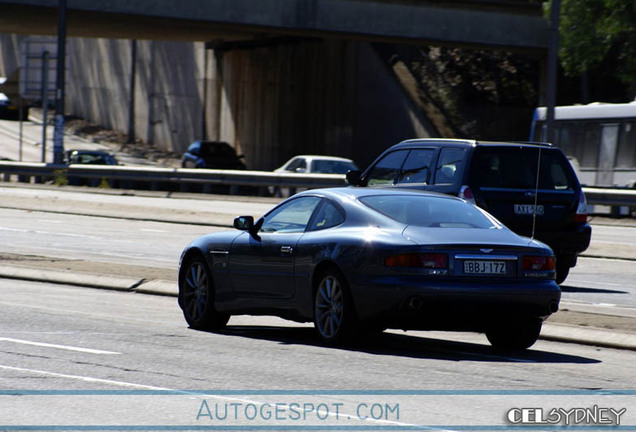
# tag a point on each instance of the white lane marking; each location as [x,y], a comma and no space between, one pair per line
[185,392]
[65,252]
[22,230]
[82,378]
[63,347]
[153,230]
[591,284]
[51,221]
[68,235]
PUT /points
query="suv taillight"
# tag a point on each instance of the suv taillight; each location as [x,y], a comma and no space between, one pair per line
[581,210]
[466,193]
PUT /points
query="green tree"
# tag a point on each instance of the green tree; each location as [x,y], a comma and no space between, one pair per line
[596,34]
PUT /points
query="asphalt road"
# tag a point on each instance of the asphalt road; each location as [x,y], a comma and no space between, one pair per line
[73,339]
[159,244]
[86,357]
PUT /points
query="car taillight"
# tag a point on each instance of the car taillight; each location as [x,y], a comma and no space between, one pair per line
[541,262]
[466,193]
[425,260]
[581,210]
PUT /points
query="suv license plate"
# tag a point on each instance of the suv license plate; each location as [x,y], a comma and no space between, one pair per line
[485,267]
[528,209]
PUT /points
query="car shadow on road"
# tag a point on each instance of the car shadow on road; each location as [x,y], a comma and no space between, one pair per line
[573,289]
[403,345]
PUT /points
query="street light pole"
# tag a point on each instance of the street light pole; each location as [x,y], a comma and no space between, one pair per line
[58,133]
[553,51]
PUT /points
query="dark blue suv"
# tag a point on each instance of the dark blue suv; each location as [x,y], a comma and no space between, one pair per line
[500,177]
[213,155]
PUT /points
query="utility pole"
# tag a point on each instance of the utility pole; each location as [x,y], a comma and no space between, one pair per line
[45,100]
[58,134]
[132,89]
[553,51]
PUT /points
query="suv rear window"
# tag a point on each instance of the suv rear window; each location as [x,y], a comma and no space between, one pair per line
[516,168]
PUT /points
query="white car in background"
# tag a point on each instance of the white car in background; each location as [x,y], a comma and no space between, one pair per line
[312,164]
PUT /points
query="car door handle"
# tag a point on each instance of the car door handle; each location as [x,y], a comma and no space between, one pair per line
[286,250]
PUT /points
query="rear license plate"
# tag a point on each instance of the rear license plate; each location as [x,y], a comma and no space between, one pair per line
[485,267]
[528,209]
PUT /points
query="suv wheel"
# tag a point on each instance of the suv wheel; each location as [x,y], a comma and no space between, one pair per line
[563,265]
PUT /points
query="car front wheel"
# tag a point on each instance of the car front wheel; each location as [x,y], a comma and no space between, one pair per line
[196,291]
[334,315]
[514,335]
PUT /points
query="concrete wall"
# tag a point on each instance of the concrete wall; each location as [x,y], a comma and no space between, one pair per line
[168,97]
[9,54]
[330,97]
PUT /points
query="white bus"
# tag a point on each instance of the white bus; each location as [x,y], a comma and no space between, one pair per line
[600,137]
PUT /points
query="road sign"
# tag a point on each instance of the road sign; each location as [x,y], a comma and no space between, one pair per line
[32,55]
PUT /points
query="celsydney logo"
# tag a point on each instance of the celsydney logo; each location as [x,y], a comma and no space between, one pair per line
[573,416]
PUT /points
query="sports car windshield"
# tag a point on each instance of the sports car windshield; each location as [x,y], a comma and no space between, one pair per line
[426,211]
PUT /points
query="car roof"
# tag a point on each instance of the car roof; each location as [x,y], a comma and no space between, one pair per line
[453,142]
[321,157]
[213,143]
[349,192]
[91,152]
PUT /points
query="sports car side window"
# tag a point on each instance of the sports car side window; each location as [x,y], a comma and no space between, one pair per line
[327,216]
[384,172]
[290,217]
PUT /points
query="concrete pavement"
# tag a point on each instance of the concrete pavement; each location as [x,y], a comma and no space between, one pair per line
[576,322]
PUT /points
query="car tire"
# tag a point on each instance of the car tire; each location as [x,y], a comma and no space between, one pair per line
[196,294]
[335,319]
[562,271]
[515,335]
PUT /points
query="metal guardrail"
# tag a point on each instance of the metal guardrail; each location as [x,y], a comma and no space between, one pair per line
[610,196]
[156,176]
[183,176]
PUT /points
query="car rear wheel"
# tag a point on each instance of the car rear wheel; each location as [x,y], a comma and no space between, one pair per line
[334,316]
[196,292]
[515,335]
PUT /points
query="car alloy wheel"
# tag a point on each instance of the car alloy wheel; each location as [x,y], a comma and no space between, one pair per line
[333,314]
[197,297]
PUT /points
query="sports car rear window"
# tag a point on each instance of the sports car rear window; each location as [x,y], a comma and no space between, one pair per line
[427,211]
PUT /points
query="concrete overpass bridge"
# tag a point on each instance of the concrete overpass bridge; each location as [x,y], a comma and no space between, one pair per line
[283,72]
[502,23]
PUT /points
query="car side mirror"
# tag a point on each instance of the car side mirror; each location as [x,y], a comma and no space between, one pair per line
[244,223]
[354,177]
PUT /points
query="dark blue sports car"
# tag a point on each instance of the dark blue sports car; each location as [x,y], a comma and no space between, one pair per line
[355,260]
